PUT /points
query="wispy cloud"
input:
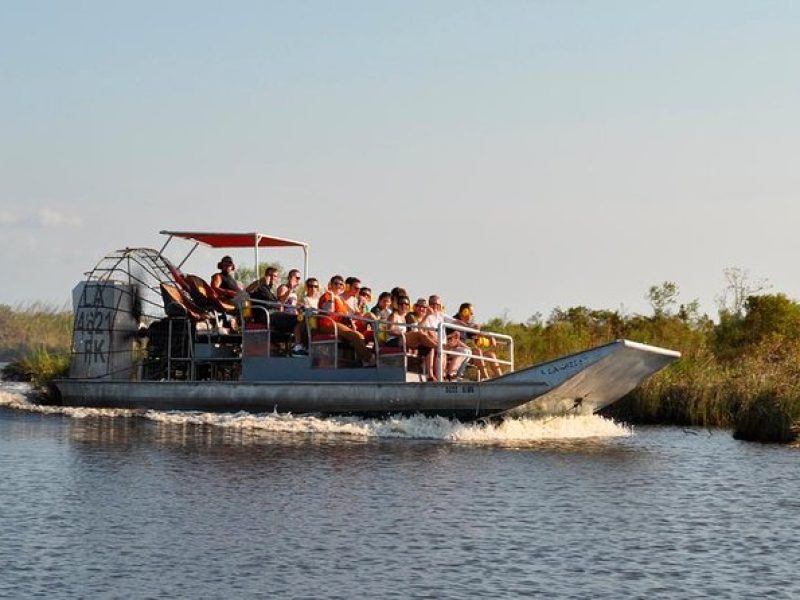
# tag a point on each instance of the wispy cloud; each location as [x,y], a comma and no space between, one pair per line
[48,217]
[40,219]
[9,218]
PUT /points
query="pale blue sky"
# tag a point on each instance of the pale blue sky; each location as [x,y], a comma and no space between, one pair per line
[521,155]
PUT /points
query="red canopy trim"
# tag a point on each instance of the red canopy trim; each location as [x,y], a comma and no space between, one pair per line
[234,240]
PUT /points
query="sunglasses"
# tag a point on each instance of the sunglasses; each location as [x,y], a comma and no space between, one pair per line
[404,304]
[312,285]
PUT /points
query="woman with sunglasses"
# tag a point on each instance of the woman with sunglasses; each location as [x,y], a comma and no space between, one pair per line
[311,293]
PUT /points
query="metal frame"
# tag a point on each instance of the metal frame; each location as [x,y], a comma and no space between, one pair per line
[257,237]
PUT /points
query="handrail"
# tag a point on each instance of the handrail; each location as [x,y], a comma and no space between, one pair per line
[380,326]
[445,325]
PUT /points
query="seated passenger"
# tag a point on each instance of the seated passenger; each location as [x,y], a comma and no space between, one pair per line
[419,313]
[287,292]
[466,315]
[224,283]
[383,308]
[263,289]
[287,296]
[335,320]
[453,342]
[311,293]
[362,310]
[422,341]
[352,285]
[396,293]
[381,312]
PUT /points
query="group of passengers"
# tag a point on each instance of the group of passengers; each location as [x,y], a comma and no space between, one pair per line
[346,313]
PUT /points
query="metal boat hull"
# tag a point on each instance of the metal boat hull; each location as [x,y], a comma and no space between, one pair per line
[581,383]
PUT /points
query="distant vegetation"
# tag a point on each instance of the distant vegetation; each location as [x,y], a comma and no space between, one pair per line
[741,371]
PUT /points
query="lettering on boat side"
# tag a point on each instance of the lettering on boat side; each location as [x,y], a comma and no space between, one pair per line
[456,389]
[94,320]
[569,364]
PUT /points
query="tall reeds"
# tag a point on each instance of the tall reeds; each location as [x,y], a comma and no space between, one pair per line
[39,366]
[37,325]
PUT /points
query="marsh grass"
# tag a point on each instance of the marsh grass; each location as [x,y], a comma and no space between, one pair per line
[39,366]
[25,328]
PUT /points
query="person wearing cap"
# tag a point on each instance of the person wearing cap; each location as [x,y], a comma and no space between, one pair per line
[419,313]
[224,283]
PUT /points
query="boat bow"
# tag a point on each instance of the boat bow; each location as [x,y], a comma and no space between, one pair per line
[585,382]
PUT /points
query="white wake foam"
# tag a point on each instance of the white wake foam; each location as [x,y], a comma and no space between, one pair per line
[17,400]
[413,427]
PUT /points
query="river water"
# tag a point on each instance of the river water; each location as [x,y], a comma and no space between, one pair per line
[144,505]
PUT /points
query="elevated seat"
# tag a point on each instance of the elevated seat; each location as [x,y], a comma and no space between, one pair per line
[177,303]
[205,296]
[177,276]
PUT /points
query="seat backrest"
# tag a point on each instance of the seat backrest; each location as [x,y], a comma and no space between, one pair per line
[205,296]
[177,276]
[173,296]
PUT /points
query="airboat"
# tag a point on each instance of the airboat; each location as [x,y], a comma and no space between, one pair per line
[148,335]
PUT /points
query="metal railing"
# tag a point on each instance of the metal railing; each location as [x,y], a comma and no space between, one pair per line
[260,312]
[444,326]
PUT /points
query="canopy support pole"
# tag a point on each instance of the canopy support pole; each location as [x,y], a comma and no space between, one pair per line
[164,247]
[185,258]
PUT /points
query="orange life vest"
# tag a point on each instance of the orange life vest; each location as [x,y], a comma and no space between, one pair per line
[338,307]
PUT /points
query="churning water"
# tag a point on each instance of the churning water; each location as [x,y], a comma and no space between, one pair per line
[99,503]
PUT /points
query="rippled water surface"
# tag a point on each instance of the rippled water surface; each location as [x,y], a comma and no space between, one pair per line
[128,504]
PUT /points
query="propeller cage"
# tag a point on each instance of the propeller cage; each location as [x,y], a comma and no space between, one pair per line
[120,297]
